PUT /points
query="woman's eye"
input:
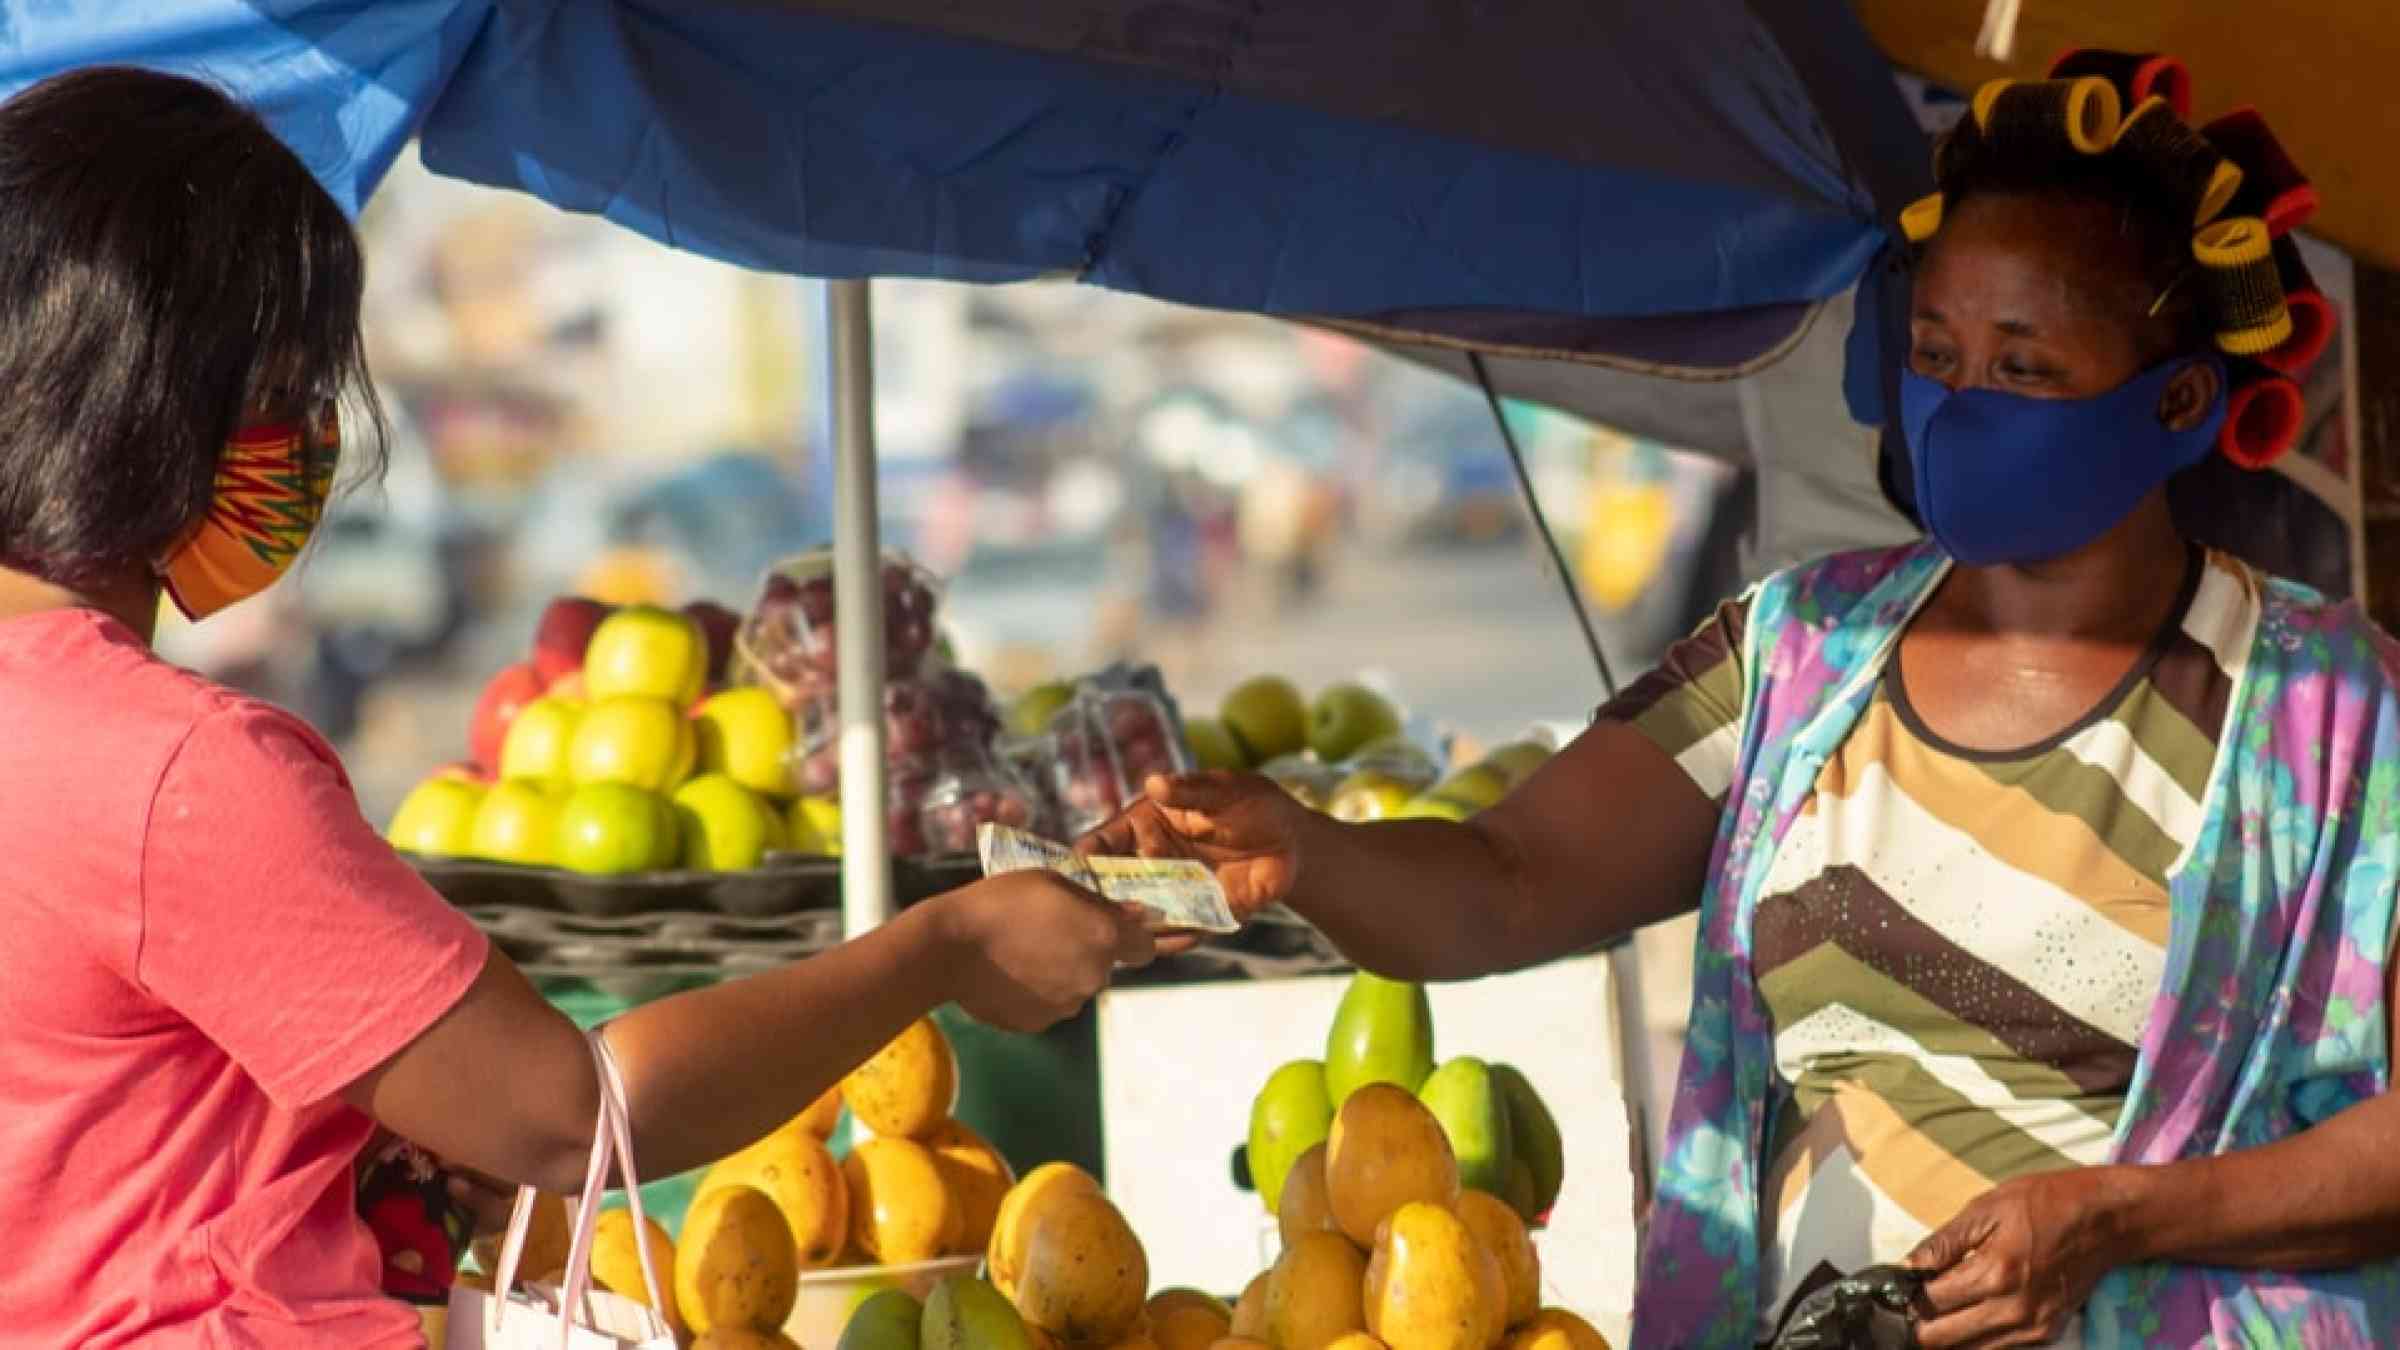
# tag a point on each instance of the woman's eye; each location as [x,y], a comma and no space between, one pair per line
[1932,359]
[2022,373]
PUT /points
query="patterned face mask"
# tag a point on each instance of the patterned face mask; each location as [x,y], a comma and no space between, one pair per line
[271,488]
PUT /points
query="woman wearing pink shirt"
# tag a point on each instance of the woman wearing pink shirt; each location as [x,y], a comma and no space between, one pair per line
[215,979]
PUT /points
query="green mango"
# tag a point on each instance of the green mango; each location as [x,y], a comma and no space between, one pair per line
[965,1313]
[1467,1099]
[889,1320]
[1536,1136]
[1291,1116]
[1382,1033]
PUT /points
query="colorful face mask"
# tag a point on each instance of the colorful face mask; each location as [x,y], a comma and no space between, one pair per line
[271,489]
[2002,478]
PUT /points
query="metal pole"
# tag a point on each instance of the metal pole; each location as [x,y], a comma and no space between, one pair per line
[849,332]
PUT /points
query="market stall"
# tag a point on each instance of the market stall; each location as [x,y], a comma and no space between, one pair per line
[1447,188]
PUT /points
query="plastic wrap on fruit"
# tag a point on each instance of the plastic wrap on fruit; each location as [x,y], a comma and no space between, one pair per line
[969,794]
[936,714]
[1106,745]
[1875,1309]
[1309,780]
[1377,784]
[789,640]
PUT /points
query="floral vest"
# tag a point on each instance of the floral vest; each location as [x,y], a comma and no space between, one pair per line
[2270,1018]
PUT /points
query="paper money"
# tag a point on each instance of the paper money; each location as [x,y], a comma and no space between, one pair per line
[1180,894]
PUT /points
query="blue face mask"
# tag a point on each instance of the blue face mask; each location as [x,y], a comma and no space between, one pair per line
[2002,478]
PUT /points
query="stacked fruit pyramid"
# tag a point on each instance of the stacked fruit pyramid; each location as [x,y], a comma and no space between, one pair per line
[922,1187]
[1344,753]
[1394,1237]
[618,747]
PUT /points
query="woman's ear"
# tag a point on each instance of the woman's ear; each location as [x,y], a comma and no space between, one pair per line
[2190,395]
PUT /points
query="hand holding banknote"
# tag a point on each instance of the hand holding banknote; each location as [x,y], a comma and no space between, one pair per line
[1242,827]
[1176,895]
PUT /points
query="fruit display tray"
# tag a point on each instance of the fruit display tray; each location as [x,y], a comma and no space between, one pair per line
[641,956]
[788,884]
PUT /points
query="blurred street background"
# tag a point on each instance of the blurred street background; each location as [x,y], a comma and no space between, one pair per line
[576,409]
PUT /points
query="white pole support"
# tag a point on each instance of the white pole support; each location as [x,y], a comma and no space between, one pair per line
[849,333]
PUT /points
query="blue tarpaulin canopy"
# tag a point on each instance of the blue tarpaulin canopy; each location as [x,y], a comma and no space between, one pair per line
[1574,190]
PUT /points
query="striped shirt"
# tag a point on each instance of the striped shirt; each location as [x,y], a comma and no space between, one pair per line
[1958,948]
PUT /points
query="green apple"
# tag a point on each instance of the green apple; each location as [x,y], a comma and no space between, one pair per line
[816,826]
[725,827]
[517,823]
[1518,760]
[538,740]
[609,829]
[437,818]
[1478,789]
[1267,717]
[642,742]
[643,651]
[1347,718]
[1213,747]
[1370,794]
[746,735]
[1433,808]
[1030,714]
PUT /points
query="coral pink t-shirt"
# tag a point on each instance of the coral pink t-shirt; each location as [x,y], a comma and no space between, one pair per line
[201,944]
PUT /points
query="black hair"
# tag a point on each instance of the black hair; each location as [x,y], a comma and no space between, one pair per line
[2159,229]
[164,260]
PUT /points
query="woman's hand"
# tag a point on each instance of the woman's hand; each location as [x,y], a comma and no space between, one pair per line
[1244,827]
[1032,949]
[2017,1264]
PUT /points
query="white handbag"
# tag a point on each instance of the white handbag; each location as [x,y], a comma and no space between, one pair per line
[574,1316]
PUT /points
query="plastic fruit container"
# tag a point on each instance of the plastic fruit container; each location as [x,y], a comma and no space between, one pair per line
[790,638]
[1104,746]
[937,715]
[829,1297]
[969,794]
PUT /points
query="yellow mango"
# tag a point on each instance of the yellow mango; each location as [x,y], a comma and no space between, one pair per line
[823,1114]
[1313,1294]
[1386,1150]
[1241,1343]
[736,1266]
[794,1169]
[900,1212]
[1041,1186]
[1184,1319]
[1250,1314]
[978,1178]
[1556,1329]
[907,1088]
[744,1338]
[1084,1274]
[1358,1340]
[1496,1225]
[1430,1285]
[617,1263]
[1305,1208]
[547,1238]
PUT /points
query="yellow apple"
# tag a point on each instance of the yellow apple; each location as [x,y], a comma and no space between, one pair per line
[1267,718]
[816,826]
[642,742]
[517,823]
[1370,794]
[437,818]
[746,735]
[538,740]
[609,829]
[725,827]
[1213,747]
[647,652]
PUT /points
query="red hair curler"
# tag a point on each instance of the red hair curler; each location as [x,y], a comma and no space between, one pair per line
[2273,188]
[2262,421]
[2314,319]
[2137,75]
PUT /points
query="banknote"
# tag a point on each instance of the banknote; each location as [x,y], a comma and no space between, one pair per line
[1180,894]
